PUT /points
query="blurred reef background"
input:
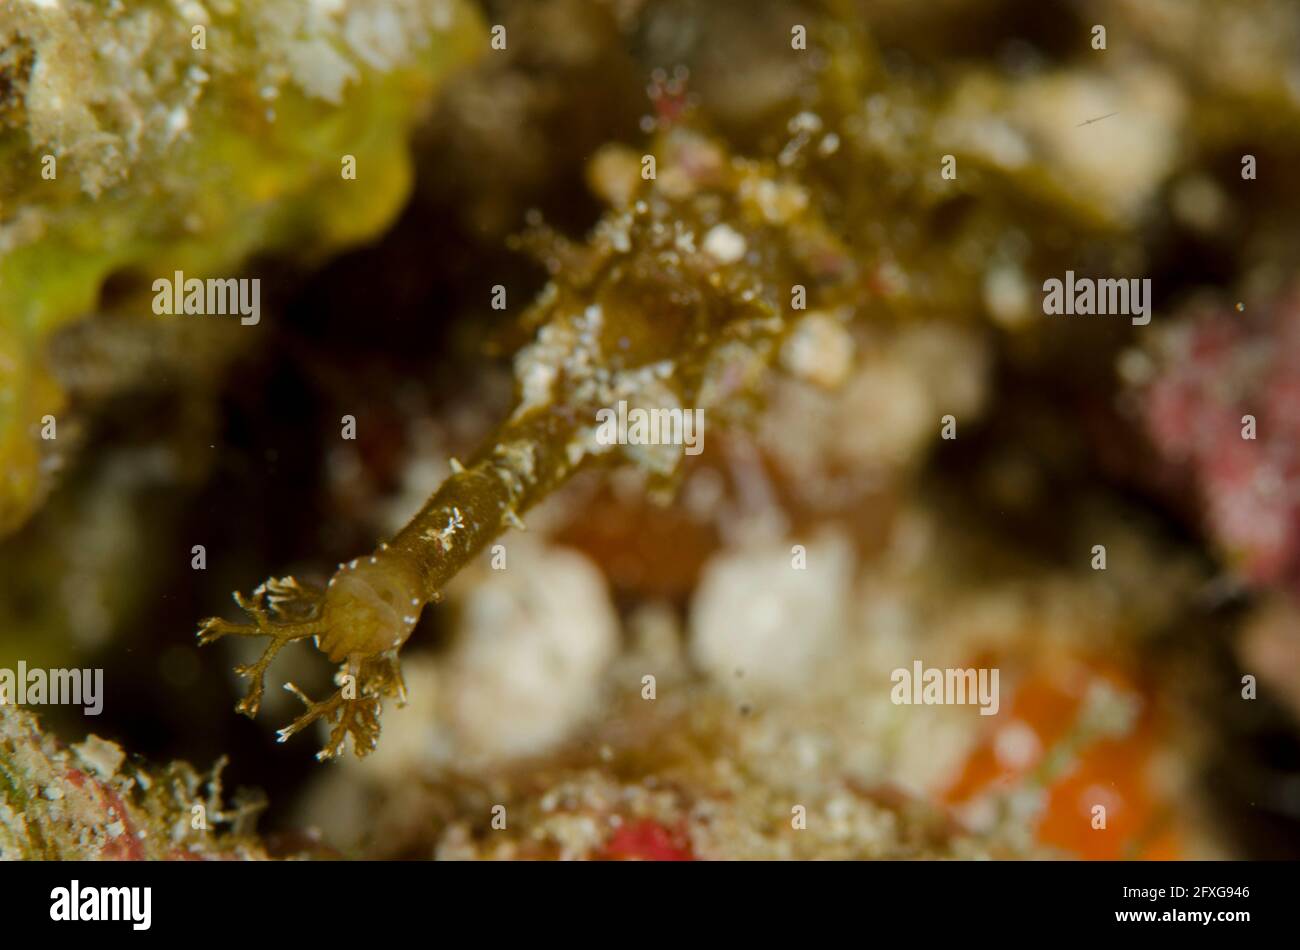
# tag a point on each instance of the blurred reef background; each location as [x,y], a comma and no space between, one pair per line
[480,166]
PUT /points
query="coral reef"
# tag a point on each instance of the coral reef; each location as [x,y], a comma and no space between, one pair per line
[139,140]
[829,251]
[1218,395]
[88,802]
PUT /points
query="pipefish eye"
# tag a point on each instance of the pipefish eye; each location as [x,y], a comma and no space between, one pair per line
[371,606]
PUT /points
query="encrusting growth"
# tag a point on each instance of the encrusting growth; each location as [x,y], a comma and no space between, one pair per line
[648,311]
[175,154]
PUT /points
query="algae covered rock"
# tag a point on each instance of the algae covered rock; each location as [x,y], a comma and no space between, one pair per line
[88,802]
[141,139]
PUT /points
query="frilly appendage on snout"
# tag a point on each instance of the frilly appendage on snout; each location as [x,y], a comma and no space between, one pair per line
[283,610]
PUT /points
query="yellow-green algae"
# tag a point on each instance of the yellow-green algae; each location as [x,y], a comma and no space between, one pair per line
[169,157]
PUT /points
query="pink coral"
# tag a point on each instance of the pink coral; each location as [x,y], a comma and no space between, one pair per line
[1224,406]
